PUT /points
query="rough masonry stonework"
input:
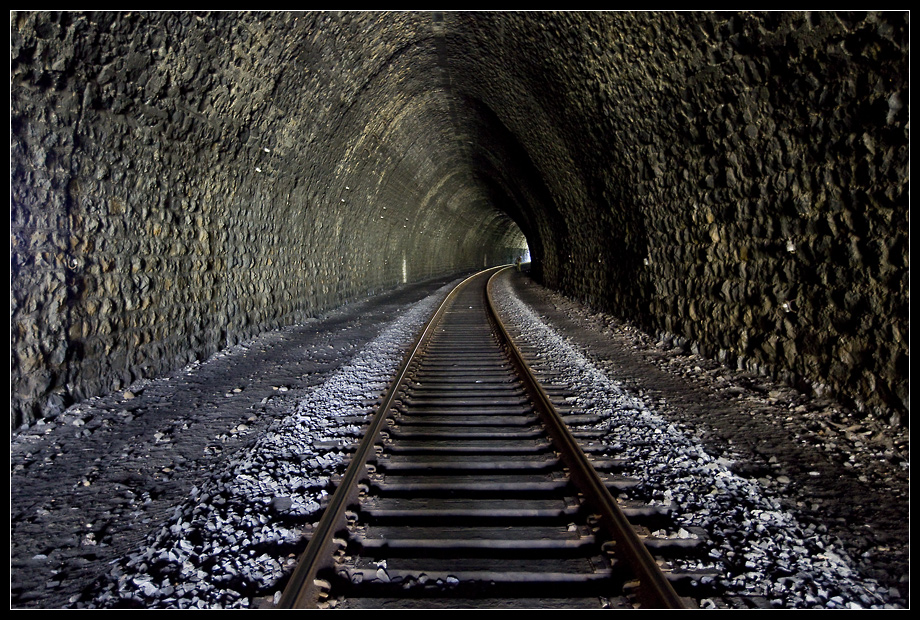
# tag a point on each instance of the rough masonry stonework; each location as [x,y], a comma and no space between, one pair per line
[180,181]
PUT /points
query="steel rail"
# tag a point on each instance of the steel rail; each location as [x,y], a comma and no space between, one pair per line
[302,591]
[655,590]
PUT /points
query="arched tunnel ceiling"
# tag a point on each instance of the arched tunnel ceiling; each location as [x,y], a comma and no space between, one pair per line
[412,100]
[413,129]
[183,180]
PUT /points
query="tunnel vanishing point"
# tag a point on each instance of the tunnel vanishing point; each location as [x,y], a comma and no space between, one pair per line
[737,183]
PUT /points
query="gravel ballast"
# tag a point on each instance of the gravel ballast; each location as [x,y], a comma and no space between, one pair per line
[769,550]
[194,490]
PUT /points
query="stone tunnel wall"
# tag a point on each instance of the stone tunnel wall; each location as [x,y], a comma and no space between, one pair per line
[182,181]
[736,182]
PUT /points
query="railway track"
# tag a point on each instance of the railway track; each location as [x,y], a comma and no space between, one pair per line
[469,490]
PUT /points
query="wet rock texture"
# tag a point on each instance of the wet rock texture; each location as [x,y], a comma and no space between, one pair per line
[736,180]
[182,181]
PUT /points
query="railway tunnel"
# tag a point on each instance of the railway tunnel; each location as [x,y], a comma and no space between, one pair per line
[181,181]
[215,206]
